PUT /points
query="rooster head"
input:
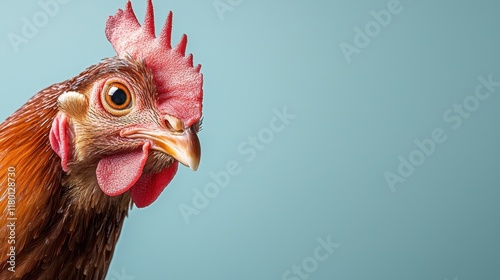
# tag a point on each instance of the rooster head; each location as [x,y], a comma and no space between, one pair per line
[130,119]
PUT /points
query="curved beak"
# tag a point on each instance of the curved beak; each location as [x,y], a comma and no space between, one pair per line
[183,145]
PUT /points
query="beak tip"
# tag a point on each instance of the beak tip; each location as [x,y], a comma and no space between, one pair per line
[194,164]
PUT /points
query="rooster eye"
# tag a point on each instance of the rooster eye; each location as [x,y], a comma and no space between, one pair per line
[116,99]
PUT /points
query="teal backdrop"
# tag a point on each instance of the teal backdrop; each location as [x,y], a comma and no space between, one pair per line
[341,140]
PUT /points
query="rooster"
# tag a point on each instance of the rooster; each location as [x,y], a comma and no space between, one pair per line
[79,154]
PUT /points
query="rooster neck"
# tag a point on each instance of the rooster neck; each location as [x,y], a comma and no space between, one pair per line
[84,194]
[77,243]
[58,235]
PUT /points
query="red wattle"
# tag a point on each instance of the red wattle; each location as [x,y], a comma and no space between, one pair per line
[149,186]
[118,173]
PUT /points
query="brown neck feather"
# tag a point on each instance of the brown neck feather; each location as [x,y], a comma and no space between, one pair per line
[62,230]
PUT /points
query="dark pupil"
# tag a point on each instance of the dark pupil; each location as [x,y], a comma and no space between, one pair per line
[118,96]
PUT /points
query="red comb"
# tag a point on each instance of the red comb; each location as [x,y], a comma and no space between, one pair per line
[178,82]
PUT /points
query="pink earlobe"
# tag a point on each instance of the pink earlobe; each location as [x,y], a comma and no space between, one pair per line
[60,139]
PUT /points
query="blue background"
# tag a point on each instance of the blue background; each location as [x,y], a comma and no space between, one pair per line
[322,176]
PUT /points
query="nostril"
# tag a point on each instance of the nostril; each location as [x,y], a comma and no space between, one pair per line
[174,123]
